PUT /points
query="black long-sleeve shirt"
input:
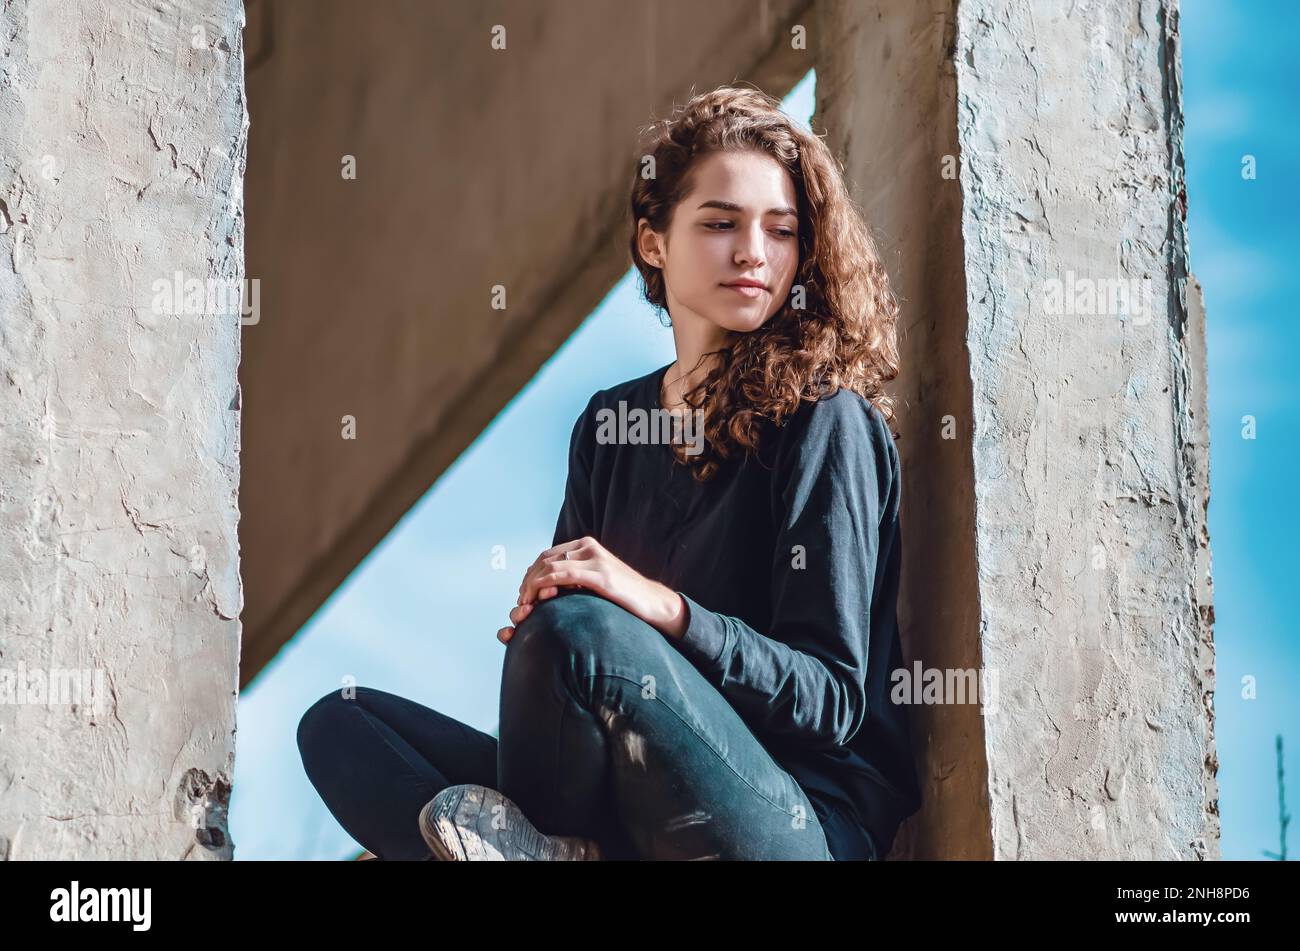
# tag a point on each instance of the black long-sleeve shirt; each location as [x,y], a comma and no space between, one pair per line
[788,566]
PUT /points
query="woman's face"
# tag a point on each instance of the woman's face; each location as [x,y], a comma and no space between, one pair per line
[738,224]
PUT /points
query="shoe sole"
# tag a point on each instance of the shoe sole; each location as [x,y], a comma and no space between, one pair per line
[469,822]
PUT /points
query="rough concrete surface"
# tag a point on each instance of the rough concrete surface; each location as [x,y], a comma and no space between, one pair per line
[122,149]
[1090,443]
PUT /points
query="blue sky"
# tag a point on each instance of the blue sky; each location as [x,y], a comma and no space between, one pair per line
[1240,93]
[418,617]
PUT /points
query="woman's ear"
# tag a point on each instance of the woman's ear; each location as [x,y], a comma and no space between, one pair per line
[648,244]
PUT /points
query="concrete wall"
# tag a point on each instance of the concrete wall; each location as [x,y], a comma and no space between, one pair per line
[1089,432]
[887,97]
[122,139]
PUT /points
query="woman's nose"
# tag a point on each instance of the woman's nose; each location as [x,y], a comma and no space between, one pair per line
[750,249]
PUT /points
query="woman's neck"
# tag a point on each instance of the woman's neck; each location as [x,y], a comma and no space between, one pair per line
[697,355]
[677,383]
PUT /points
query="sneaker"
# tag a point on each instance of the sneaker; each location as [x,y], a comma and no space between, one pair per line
[472,823]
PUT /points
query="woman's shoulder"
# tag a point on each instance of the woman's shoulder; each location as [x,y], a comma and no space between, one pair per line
[844,414]
[609,409]
[840,439]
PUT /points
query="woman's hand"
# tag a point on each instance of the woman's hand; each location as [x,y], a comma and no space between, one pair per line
[585,563]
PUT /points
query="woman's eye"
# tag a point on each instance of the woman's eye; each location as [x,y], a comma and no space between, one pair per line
[724,225]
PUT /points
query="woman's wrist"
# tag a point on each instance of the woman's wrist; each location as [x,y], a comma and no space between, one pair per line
[668,615]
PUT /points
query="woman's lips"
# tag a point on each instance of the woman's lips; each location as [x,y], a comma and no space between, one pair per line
[749,290]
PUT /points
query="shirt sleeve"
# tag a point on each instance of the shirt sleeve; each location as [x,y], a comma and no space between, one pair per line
[577,512]
[804,680]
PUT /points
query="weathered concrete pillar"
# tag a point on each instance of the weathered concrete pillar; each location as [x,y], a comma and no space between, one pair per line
[1090,431]
[122,145]
[1053,406]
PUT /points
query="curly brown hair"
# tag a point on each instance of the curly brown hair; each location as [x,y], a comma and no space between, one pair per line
[844,335]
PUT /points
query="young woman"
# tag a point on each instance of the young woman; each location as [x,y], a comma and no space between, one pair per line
[699,666]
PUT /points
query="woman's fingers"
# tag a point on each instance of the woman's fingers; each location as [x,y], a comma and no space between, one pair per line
[521,611]
[572,549]
[565,574]
[536,568]
[533,583]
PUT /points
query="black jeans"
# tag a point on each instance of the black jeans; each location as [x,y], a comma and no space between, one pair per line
[607,731]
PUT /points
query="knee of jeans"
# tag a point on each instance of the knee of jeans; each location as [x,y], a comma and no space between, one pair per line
[320,721]
[577,624]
